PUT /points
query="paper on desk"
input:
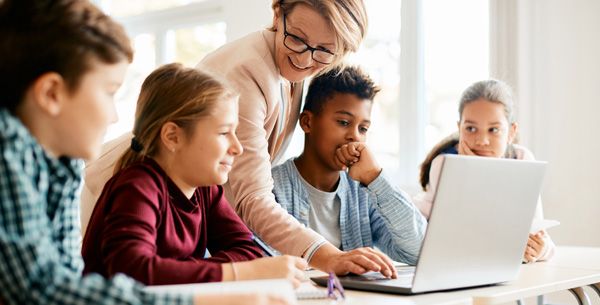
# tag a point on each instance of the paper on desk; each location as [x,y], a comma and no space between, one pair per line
[542,224]
[279,287]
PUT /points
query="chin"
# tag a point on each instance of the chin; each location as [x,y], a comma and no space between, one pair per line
[291,74]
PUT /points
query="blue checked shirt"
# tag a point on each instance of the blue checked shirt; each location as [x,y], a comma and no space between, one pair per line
[40,258]
[378,215]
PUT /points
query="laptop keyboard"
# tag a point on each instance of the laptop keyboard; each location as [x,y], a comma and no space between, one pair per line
[405,277]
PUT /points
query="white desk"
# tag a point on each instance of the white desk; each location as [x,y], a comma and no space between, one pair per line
[572,268]
[586,258]
[355,297]
[534,280]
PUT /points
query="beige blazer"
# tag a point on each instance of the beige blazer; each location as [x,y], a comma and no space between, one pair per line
[248,64]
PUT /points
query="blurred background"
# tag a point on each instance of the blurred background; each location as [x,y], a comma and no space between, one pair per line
[424,53]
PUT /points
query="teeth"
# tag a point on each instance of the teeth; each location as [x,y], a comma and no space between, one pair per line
[295,65]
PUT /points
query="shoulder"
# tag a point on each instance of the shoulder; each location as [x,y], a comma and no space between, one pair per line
[438,161]
[13,134]
[144,176]
[248,56]
[523,153]
[284,171]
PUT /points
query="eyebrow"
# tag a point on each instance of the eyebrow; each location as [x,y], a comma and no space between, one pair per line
[350,114]
[473,122]
[304,34]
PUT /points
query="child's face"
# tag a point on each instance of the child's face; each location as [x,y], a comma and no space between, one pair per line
[89,110]
[484,128]
[344,118]
[205,158]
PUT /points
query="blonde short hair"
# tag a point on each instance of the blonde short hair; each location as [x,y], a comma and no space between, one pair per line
[348,19]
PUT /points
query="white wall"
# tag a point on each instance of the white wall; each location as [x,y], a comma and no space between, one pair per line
[558,76]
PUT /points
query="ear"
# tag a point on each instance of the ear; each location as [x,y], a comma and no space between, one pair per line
[512,132]
[49,93]
[170,136]
[305,120]
[276,16]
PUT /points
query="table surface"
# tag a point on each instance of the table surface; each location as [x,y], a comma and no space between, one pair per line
[571,267]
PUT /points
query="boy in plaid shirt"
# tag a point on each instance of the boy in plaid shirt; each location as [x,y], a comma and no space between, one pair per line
[61,63]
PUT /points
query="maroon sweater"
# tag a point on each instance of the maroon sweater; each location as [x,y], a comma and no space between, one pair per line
[145,227]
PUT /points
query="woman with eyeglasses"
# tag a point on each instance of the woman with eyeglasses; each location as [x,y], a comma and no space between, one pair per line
[268,68]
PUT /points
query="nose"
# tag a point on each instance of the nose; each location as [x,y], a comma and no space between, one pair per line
[482,140]
[353,134]
[235,149]
[304,59]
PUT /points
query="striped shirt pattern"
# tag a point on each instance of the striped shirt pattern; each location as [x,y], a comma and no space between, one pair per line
[379,214]
[40,255]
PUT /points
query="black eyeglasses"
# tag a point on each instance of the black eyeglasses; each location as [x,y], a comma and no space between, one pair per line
[294,43]
[334,284]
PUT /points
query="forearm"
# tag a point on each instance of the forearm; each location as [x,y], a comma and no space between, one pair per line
[55,283]
[151,269]
[279,229]
[322,257]
[400,226]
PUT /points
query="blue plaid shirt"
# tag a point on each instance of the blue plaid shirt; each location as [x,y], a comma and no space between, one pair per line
[376,215]
[40,258]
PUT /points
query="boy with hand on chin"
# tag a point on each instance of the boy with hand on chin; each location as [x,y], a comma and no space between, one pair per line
[336,187]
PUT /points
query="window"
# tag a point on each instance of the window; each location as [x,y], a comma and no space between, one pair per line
[165,31]
[423,53]
[456,55]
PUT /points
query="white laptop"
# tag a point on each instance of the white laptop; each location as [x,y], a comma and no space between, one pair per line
[478,228]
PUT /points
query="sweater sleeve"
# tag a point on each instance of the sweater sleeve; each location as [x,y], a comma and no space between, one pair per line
[397,225]
[228,237]
[424,200]
[129,237]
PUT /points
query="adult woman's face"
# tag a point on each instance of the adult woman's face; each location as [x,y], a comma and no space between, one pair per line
[311,28]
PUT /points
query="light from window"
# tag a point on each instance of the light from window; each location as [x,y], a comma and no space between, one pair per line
[124,8]
[189,45]
[456,38]
[144,61]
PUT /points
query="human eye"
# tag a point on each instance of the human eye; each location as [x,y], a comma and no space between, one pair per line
[364,129]
[343,123]
[297,40]
[495,130]
[470,129]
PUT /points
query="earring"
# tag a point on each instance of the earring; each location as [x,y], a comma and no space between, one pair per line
[172,150]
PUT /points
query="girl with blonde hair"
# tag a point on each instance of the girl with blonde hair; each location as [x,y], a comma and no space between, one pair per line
[164,207]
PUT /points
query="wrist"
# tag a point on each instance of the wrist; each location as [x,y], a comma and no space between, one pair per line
[371,176]
[324,257]
[228,273]
[246,270]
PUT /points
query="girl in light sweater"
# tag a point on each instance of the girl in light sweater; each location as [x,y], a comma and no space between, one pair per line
[487,128]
